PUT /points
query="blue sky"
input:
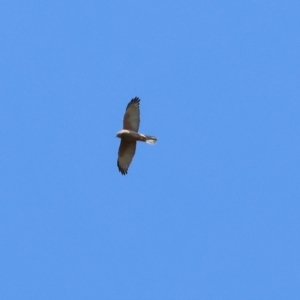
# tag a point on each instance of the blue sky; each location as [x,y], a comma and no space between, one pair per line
[211,211]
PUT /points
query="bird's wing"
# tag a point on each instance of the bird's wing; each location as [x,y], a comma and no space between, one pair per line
[125,155]
[131,119]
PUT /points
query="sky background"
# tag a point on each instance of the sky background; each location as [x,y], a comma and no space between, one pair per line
[211,211]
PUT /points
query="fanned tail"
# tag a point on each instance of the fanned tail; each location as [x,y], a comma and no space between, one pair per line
[151,140]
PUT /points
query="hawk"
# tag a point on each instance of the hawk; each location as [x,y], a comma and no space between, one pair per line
[129,135]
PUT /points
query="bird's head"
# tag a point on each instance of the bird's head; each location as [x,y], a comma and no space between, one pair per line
[122,133]
[119,134]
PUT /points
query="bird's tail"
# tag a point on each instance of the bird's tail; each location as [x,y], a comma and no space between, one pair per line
[150,139]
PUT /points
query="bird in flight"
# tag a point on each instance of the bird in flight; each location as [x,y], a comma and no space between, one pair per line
[129,135]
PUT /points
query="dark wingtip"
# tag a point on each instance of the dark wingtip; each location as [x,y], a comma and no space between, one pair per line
[135,100]
[122,171]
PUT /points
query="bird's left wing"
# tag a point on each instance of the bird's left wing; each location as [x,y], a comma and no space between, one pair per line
[131,119]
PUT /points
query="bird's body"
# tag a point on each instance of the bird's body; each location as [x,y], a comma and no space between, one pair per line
[129,135]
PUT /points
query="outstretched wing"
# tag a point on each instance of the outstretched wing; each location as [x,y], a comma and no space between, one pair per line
[131,119]
[125,155]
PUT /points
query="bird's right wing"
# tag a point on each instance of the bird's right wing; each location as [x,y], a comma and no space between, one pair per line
[125,155]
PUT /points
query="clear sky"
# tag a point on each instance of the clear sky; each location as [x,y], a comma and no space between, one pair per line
[212,211]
